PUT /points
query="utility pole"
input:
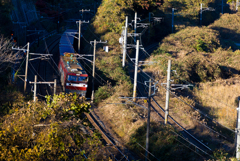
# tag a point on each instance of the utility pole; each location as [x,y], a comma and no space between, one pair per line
[42,56]
[202,9]
[93,74]
[125,42]
[79,33]
[35,87]
[135,27]
[201,14]
[237,131]
[93,71]
[172,19]
[168,91]
[237,1]
[135,73]
[148,120]
[55,86]
[26,68]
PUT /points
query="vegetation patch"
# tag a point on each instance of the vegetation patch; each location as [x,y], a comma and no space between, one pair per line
[191,39]
[163,143]
[227,25]
[52,131]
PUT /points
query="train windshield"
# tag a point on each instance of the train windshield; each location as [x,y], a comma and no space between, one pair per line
[77,78]
[84,79]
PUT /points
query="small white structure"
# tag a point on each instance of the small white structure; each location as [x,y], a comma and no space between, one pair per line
[105,48]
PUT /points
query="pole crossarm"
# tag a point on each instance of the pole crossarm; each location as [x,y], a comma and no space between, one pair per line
[133,45]
[35,86]
[146,62]
[27,57]
[157,18]
[143,25]
[208,9]
[41,82]
[132,102]
[94,59]
[82,57]
[84,10]
[82,21]
[103,42]
[24,50]
[153,86]
[134,34]
[41,56]
[178,86]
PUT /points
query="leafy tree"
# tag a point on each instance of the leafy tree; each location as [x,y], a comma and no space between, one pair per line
[55,130]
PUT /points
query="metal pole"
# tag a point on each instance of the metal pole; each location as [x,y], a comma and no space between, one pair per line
[35,89]
[238,135]
[125,43]
[172,19]
[148,120]
[55,86]
[167,93]
[135,73]
[79,35]
[135,27]
[93,74]
[201,14]
[237,5]
[26,69]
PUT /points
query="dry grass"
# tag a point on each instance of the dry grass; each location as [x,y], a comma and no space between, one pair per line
[187,40]
[228,25]
[220,98]
[216,67]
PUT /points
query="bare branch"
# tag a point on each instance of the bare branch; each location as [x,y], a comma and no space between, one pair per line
[7,56]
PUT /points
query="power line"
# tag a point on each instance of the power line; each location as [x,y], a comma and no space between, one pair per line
[200,111]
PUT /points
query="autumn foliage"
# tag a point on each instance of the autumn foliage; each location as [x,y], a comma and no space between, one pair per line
[55,130]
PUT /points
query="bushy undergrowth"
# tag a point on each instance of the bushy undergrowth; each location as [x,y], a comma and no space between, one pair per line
[191,39]
[202,55]
[228,26]
[163,144]
[52,131]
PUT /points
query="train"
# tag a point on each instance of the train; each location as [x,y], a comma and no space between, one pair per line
[73,77]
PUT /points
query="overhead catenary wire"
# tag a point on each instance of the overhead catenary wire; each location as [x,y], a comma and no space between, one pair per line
[90,68]
[180,135]
[204,114]
[191,105]
[128,135]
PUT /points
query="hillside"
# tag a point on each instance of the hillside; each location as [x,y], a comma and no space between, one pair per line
[192,43]
[206,57]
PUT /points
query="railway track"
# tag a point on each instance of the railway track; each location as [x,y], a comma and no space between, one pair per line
[110,141]
[45,70]
[216,137]
[194,141]
[143,92]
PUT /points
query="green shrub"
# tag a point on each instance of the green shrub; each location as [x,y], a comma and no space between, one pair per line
[103,93]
